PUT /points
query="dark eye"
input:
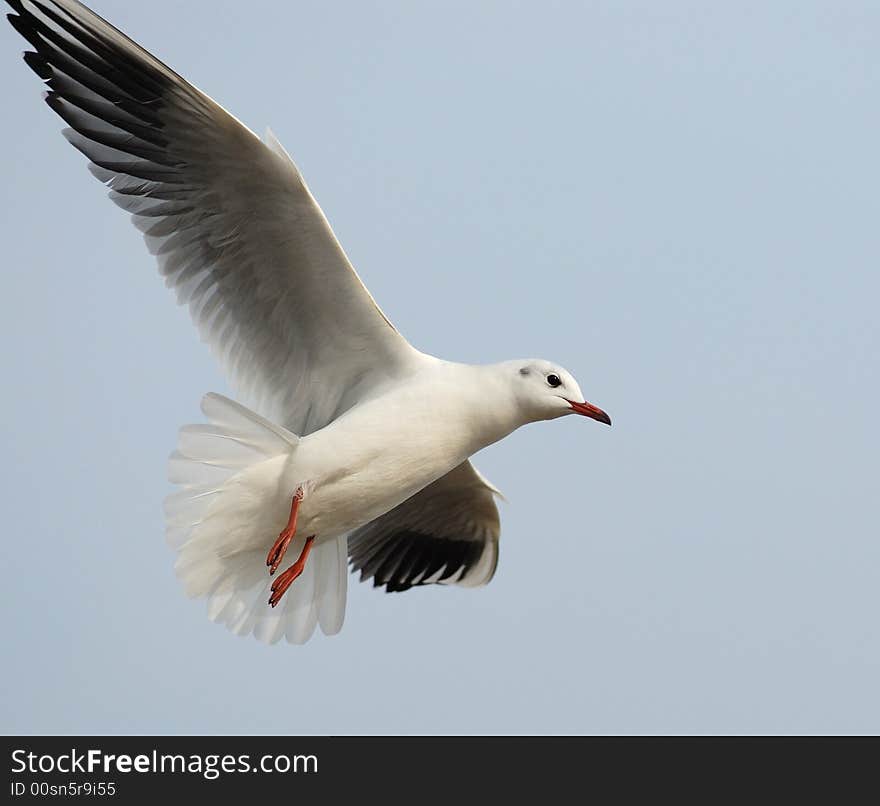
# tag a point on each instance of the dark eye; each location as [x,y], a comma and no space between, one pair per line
[554,380]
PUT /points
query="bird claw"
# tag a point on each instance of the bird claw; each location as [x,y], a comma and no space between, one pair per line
[286,578]
[278,550]
[284,581]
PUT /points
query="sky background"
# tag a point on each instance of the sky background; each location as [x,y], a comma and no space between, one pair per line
[677,201]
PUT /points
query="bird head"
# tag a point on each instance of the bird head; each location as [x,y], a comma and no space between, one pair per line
[545,391]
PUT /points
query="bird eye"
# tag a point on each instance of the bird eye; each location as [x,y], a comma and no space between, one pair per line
[554,380]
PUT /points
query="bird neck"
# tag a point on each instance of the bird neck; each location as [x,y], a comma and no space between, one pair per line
[493,411]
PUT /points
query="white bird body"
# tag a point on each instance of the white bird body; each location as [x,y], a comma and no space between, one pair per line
[377,455]
[361,446]
[386,449]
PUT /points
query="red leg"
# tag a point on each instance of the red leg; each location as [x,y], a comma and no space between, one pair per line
[280,585]
[279,548]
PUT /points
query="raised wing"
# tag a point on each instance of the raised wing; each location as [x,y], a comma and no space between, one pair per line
[240,238]
[447,533]
[235,230]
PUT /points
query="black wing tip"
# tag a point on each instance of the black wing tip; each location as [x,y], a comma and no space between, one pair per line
[409,559]
[38,64]
[397,587]
[20,24]
[55,102]
[390,585]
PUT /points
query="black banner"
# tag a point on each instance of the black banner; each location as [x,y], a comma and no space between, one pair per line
[393,769]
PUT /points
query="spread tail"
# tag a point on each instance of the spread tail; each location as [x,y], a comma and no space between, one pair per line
[228,510]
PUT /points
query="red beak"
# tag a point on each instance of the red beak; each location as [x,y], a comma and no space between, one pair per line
[589,410]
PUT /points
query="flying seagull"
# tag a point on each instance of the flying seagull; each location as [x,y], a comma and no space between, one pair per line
[356,445]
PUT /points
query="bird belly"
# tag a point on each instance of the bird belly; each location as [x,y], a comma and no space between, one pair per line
[354,490]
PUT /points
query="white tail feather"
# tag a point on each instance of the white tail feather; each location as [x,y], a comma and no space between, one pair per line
[225,517]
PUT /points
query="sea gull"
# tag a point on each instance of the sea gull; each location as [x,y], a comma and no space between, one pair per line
[355,445]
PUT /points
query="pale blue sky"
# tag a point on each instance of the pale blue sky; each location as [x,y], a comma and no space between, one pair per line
[677,201]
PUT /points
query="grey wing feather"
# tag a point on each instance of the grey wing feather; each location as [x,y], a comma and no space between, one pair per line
[233,226]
